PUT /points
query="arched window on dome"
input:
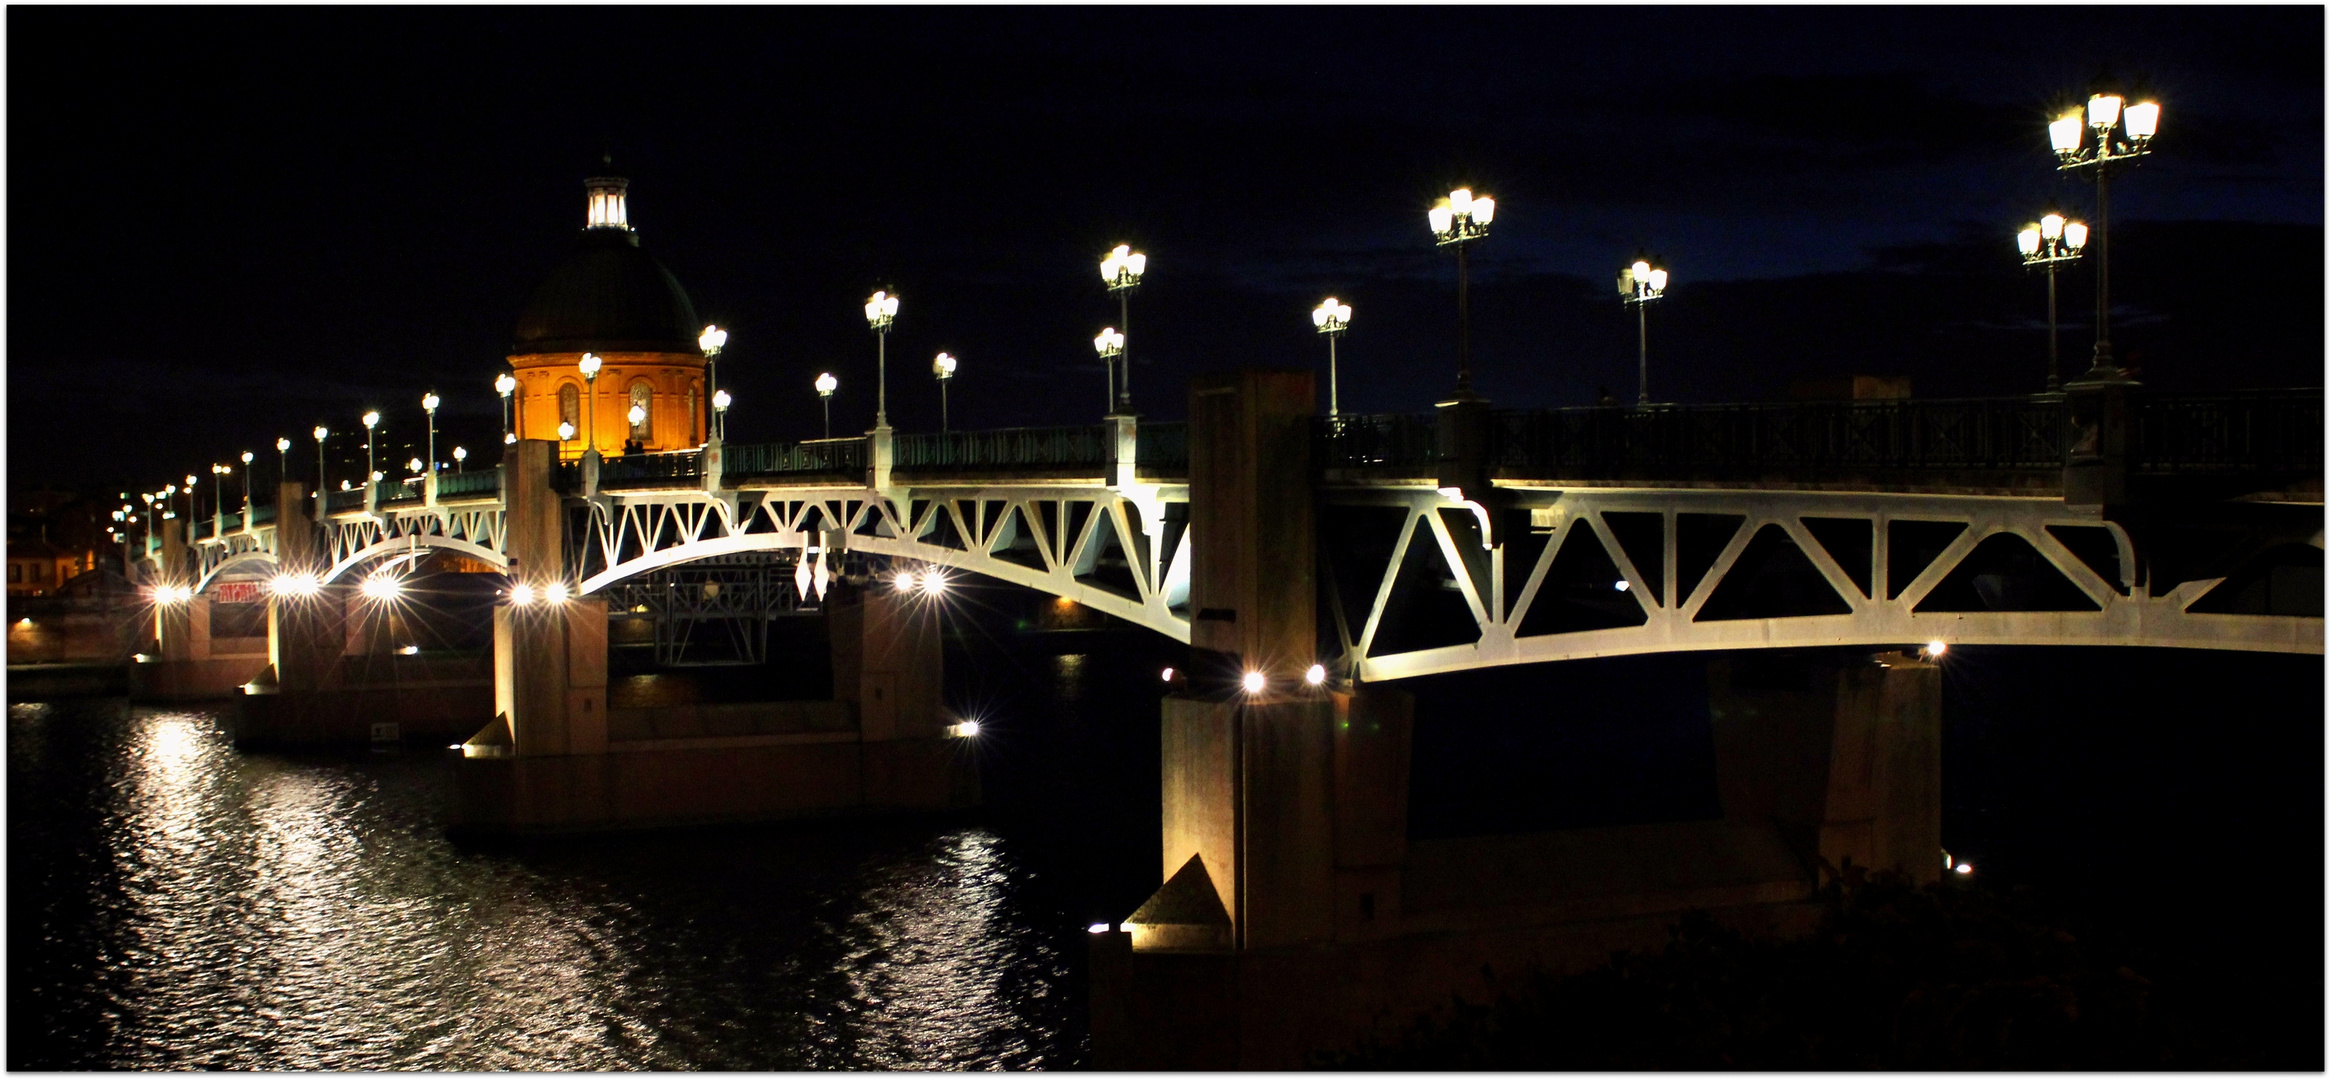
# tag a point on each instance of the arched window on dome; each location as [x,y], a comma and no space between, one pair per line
[570,406]
[643,399]
[695,414]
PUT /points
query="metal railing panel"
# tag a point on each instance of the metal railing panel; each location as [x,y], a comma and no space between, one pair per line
[780,459]
[1162,447]
[1084,447]
[677,468]
[483,481]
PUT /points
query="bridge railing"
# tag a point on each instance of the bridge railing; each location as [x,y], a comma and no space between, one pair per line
[263,514]
[682,468]
[2275,431]
[460,484]
[1376,441]
[341,502]
[1162,449]
[403,491]
[777,460]
[1082,449]
[2012,433]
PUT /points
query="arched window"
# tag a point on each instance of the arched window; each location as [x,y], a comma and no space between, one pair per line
[643,399]
[570,406]
[695,414]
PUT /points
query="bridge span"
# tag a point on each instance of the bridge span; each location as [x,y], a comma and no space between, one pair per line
[1600,531]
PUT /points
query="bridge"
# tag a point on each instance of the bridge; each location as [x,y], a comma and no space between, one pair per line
[1311,564]
[1600,532]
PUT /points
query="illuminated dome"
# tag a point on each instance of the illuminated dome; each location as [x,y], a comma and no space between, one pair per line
[608,296]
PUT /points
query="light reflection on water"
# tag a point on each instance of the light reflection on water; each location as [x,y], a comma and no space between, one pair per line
[176,903]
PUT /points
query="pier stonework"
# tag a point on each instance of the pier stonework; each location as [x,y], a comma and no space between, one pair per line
[1295,916]
[554,759]
[1841,750]
[182,665]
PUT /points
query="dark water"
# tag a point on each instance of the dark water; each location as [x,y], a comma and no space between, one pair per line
[175,902]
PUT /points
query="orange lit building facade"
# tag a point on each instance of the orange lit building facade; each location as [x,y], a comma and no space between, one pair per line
[613,300]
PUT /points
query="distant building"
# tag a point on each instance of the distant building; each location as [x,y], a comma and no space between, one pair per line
[611,299]
[53,537]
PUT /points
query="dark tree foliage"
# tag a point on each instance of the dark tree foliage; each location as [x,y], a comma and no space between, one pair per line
[1949,976]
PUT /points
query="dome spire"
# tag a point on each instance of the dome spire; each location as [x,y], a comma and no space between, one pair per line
[606,209]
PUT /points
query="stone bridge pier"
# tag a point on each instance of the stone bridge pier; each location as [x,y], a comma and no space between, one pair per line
[558,756]
[181,660]
[1295,916]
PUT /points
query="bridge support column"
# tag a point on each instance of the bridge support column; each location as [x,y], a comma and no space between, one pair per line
[180,665]
[173,632]
[550,660]
[1842,750]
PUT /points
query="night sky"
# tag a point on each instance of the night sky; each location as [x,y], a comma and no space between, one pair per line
[229,225]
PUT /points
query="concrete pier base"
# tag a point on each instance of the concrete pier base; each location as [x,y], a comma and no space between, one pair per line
[194,679]
[555,758]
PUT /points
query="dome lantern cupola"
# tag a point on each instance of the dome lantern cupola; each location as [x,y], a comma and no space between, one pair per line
[606,208]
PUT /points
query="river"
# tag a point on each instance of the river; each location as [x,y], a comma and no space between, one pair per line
[178,903]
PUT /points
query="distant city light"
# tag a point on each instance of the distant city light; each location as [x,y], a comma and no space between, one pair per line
[1936,648]
[905,581]
[381,588]
[1619,585]
[409,650]
[1167,675]
[1965,868]
[1253,682]
[964,730]
[522,594]
[934,581]
[555,592]
[1316,675]
[1097,928]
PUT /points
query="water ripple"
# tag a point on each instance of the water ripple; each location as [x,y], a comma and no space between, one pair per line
[178,904]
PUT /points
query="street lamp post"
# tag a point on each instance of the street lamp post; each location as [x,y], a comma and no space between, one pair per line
[190,505]
[1111,345]
[321,434]
[246,489]
[2047,243]
[282,457]
[881,308]
[371,421]
[589,366]
[1122,269]
[2116,135]
[826,383]
[720,403]
[637,415]
[944,367]
[712,340]
[503,384]
[429,403]
[460,454]
[1639,285]
[1458,221]
[1332,319]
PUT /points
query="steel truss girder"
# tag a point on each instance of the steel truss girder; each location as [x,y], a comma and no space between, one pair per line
[621,536]
[2134,617]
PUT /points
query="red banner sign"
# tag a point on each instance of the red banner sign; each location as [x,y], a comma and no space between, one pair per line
[235,592]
